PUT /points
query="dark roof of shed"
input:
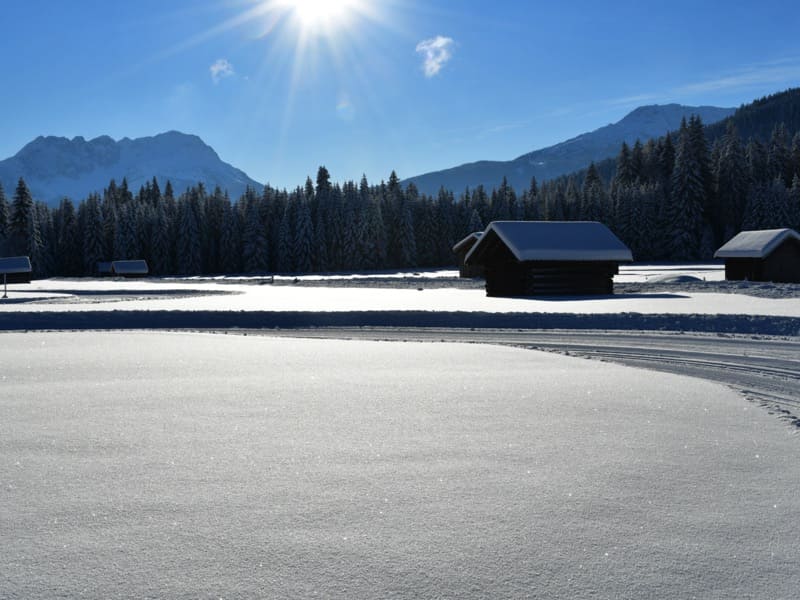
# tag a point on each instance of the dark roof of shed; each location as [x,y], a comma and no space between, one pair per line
[15,264]
[552,241]
[129,267]
[755,244]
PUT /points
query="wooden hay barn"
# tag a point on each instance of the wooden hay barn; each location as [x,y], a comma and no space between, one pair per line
[534,258]
[104,269]
[461,249]
[765,255]
[130,268]
[15,269]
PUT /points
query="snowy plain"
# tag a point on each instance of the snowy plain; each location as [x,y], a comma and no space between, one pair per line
[422,292]
[141,464]
[158,465]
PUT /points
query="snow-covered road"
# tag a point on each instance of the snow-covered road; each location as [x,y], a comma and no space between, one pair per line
[162,465]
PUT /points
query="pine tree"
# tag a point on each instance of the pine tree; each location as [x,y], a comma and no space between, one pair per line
[231,240]
[68,247]
[593,196]
[688,198]
[159,241]
[731,183]
[5,224]
[286,235]
[41,260]
[22,216]
[93,236]
[303,234]
[624,175]
[255,246]
[794,204]
[475,223]
[531,203]
[189,246]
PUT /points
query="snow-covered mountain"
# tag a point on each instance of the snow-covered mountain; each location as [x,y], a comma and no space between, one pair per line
[572,155]
[55,167]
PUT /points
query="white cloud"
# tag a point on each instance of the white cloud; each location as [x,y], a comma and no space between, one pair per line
[220,70]
[777,73]
[437,52]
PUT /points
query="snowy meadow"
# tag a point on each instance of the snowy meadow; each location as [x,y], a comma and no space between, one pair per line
[184,464]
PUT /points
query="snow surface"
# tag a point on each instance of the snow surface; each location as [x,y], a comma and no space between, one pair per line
[554,240]
[755,244]
[54,295]
[184,466]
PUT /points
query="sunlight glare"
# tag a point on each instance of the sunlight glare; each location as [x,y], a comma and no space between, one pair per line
[321,14]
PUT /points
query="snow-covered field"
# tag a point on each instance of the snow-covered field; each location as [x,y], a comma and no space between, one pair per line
[146,464]
[156,465]
[655,297]
[409,293]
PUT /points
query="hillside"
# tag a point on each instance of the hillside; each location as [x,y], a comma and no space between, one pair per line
[643,123]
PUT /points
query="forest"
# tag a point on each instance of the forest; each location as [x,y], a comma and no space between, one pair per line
[675,198]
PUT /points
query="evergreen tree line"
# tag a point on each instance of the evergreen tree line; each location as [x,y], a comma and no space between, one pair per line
[675,198]
[318,227]
[680,198]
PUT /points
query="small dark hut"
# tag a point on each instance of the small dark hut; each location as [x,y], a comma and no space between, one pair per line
[765,255]
[461,249]
[130,268]
[528,258]
[15,269]
[104,269]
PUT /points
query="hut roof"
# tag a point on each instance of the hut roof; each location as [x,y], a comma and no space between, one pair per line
[552,241]
[755,244]
[129,267]
[15,264]
[468,241]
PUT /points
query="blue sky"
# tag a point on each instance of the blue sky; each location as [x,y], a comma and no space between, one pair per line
[408,85]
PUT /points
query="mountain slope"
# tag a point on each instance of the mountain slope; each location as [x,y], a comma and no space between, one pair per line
[54,167]
[643,123]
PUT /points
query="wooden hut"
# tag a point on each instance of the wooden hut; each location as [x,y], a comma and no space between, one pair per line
[104,269]
[461,249]
[130,268]
[526,258]
[15,269]
[765,255]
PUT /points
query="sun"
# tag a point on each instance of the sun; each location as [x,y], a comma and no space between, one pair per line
[321,15]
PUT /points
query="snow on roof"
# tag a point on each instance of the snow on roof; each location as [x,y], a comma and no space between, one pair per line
[469,240]
[15,264]
[129,267]
[555,240]
[755,244]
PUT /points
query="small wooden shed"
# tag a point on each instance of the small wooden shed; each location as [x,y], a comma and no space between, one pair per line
[15,269]
[104,269]
[461,249]
[130,268]
[527,258]
[763,255]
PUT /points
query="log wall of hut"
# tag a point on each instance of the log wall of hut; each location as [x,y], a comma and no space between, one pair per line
[550,278]
[781,266]
[15,278]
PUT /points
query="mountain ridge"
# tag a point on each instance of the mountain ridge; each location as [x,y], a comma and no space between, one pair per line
[55,167]
[573,154]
